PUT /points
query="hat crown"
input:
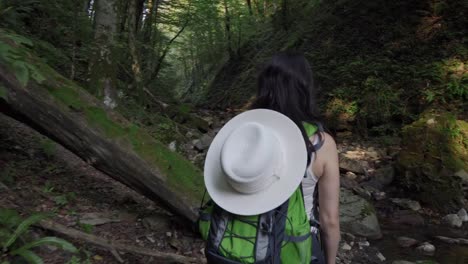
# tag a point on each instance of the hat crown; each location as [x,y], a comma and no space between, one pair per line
[250,158]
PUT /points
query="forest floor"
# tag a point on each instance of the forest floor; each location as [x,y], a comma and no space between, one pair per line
[45,177]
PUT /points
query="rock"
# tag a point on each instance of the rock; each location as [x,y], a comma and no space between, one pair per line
[381,256]
[362,192]
[463,175]
[172,146]
[348,236]
[363,244]
[346,247]
[463,215]
[426,248]
[157,222]
[98,218]
[348,183]
[372,153]
[357,216]
[406,242]
[407,203]
[402,262]
[459,241]
[203,143]
[379,196]
[452,220]
[385,175]
[351,164]
[407,217]
[430,156]
[351,175]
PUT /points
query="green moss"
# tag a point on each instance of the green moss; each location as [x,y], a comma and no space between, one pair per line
[3,93]
[433,148]
[367,210]
[182,176]
[68,96]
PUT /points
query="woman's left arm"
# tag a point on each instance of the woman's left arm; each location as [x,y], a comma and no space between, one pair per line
[329,193]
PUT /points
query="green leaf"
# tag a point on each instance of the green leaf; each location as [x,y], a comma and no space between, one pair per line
[21,72]
[55,241]
[30,256]
[23,227]
[19,39]
[37,75]
[9,218]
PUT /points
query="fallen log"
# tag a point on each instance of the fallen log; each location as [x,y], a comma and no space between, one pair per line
[115,247]
[66,113]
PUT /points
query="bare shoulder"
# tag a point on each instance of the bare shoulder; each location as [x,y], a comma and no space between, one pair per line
[329,144]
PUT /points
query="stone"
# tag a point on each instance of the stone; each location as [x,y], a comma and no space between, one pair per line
[381,257]
[407,217]
[430,156]
[348,236]
[346,247]
[379,196]
[203,143]
[452,220]
[362,192]
[463,175]
[426,248]
[157,222]
[351,175]
[459,241]
[402,262]
[98,218]
[363,243]
[357,216]
[406,242]
[172,146]
[350,164]
[407,203]
[348,183]
[463,215]
[385,175]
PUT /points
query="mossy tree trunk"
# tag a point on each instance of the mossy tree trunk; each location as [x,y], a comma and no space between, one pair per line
[66,113]
[103,69]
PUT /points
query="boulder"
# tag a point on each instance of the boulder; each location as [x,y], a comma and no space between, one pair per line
[357,216]
[463,215]
[452,220]
[407,203]
[407,217]
[203,143]
[348,163]
[385,175]
[406,242]
[432,152]
[426,248]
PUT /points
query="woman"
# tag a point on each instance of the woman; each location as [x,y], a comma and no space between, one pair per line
[286,85]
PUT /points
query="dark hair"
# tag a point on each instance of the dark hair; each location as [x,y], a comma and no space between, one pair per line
[286,85]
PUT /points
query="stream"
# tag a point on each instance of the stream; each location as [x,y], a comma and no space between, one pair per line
[444,254]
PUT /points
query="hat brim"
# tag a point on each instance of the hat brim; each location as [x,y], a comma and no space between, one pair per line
[294,165]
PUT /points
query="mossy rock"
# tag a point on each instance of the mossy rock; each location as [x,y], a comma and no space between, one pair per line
[433,148]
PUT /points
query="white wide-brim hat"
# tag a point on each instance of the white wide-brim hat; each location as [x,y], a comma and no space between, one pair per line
[255,162]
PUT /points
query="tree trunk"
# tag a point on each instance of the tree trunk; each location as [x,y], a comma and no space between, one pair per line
[249,5]
[227,23]
[103,69]
[132,44]
[69,115]
[285,14]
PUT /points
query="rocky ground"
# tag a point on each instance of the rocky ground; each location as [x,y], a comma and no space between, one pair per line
[379,225]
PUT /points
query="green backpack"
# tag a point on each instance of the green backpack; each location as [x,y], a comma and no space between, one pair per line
[282,235]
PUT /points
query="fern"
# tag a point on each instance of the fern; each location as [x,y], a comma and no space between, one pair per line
[23,227]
